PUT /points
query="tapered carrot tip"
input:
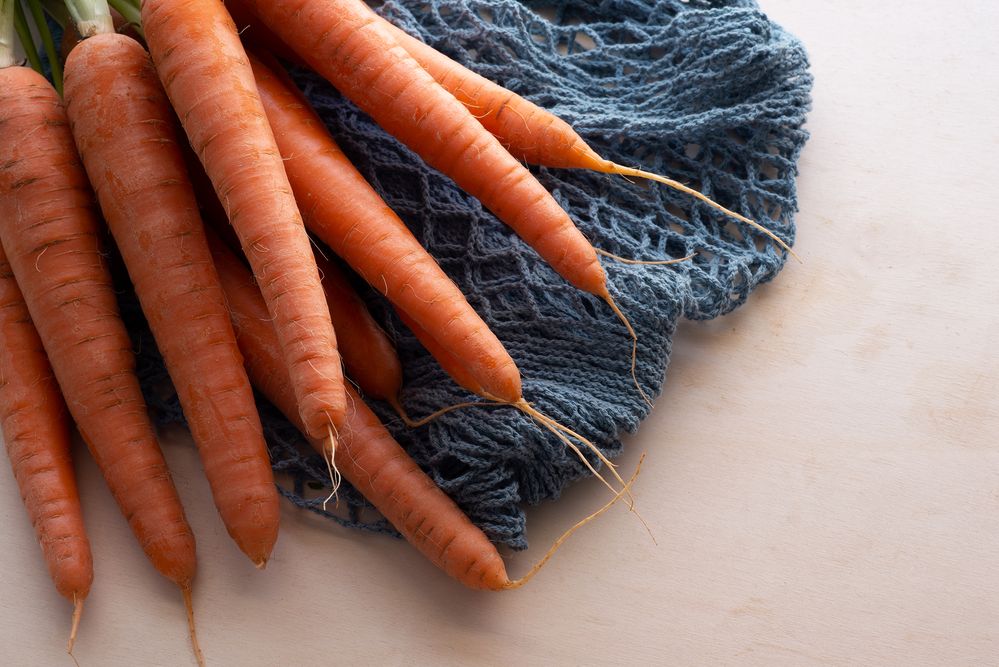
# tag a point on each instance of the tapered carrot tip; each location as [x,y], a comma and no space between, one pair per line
[77,613]
[261,564]
[189,605]
[626,491]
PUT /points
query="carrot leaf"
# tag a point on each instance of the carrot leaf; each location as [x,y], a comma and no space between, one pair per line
[8,55]
[130,13]
[38,15]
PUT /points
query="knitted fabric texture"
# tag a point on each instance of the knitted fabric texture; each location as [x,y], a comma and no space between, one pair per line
[710,93]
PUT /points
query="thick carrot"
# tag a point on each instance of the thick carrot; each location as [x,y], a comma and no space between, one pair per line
[36,431]
[367,456]
[342,209]
[124,129]
[357,53]
[52,238]
[205,72]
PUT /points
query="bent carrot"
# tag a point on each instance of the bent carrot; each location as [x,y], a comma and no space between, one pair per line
[52,239]
[205,72]
[343,210]
[367,455]
[354,50]
[36,432]
[124,129]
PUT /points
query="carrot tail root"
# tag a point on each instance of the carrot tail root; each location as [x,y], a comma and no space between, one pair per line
[626,491]
[336,479]
[192,631]
[77,614]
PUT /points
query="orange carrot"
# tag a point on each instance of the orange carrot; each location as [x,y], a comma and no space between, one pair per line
[342,209]
[367,456]
[205,72]
[354,50]
[368,354]
[52,239]
[124,129]
[36,431]
[529,132]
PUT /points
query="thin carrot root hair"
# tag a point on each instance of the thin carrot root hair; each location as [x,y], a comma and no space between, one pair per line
[560,431]
[626,491]
[77,614]
[634,345]
[329,455]
[621,170]
[189,606]
[645,262]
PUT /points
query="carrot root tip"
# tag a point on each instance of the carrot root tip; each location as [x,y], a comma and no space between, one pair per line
[624,492]
[192,631]
[634,346]
[621,170]
[77,614]
[329,454]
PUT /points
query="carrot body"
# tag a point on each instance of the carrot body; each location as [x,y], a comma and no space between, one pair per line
[205,72]
[529,132]
[367,455]
[352,48]
[451,364]
[344,211]
[36,431]
[124,129]
[368,354]
[52,239]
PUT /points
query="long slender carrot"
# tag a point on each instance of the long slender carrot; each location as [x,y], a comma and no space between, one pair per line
[357,53]
[36,432]
[342,209]
[531,133]
[52,238]
[124,129]
[368,457]
[205,72]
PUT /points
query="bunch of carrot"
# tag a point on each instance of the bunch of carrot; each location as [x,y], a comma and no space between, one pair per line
[212,220]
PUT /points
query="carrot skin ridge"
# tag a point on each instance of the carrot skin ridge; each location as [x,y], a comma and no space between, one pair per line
[205,72]
[51,234]
[37,434]
[343,210]
[350,47]
[138,172]
[367,455]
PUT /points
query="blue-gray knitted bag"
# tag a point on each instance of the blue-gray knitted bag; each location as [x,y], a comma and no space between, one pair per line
[711,93]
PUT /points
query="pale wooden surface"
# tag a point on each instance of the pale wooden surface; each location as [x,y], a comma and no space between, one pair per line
[823,470]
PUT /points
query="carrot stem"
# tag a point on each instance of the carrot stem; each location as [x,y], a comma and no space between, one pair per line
[8,57]
[130,13]
[24,34]
[91,17]
[51,53]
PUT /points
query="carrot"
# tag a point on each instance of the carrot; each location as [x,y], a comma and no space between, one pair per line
[36,431]
[124,129]
[343,210]
[354,50]
[368,354]
[206,75]
[531,133]
[52,238]
[367,455]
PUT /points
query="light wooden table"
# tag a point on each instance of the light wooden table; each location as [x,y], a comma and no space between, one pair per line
[823,469]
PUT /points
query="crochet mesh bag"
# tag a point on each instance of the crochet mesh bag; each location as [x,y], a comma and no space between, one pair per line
[711,93]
